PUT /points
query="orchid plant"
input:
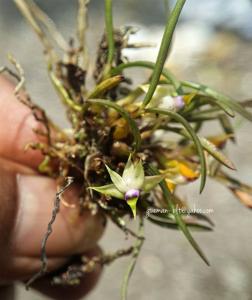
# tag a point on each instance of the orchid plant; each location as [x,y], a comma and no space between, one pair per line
[117,147]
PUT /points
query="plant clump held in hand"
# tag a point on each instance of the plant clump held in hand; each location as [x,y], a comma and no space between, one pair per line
[117,148]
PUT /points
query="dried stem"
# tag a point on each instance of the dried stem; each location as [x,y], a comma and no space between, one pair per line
[25,9]
[10,72]
[121,224]
[49,25]
[82,25]
[38,113]
[20,71]
[49,231]
[75,272]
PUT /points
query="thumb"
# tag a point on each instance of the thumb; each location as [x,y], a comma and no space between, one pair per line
[26,201]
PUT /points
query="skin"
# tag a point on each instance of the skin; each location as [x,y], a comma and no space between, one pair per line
[26,201]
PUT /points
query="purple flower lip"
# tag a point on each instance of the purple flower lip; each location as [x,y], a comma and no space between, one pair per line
[133,193]
[179,102]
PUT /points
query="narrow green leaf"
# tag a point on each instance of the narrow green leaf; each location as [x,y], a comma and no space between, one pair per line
[212,149]
[223,106]
[125,115]
[212,113]
[110,35]
[207,145]
[172,224]
[222,99]
[202,217]
[183,121]
[227,127]
[109,190]
[231,103]
[204,115]
[163,50]
[170,205]
[149,65]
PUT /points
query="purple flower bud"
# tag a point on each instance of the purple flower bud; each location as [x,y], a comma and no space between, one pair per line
[179,102]
[133,193]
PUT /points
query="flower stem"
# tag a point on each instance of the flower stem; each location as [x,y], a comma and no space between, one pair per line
[137,247]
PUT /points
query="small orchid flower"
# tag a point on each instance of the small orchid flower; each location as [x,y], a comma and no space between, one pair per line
[129,186]
[162,98]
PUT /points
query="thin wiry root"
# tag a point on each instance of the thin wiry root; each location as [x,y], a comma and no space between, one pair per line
[76,271]
[10,72]
[20,71]
[38,113]
[50,54]
[44,259]
[40,116]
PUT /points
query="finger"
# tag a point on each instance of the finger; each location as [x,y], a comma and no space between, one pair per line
[72,232]
[23,268]
[28,199]
[7,292]
[87,283]
[17,126]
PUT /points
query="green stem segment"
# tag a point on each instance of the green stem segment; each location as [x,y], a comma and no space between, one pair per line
[110,35]
[137,247]
[163,50]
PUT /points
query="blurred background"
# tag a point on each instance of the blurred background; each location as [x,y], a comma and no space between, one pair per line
[212,45]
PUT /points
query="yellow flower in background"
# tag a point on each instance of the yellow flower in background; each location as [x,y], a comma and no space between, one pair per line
[180,172]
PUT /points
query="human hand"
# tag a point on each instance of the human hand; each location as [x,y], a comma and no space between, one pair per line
[26,200]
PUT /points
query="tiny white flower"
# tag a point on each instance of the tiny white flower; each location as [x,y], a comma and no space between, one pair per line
[162,98]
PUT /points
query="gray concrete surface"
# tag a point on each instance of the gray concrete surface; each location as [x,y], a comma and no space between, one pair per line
[168,268]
